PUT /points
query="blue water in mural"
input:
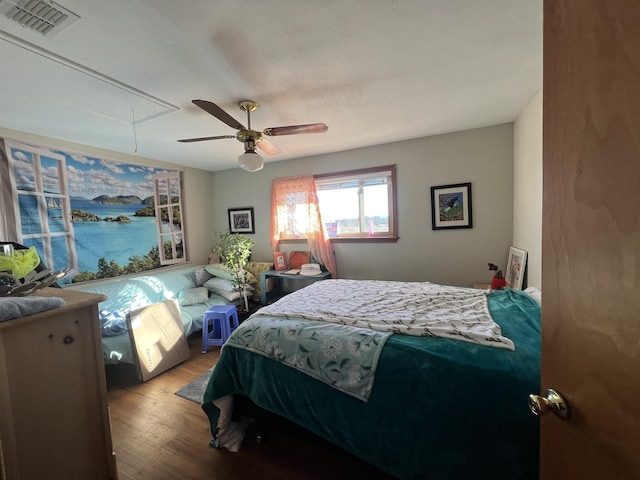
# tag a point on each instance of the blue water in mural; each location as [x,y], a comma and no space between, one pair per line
[111,240]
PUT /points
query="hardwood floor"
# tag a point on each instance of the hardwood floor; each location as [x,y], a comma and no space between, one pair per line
[158,435]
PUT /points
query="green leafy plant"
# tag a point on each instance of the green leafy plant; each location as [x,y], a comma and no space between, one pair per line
[234,250]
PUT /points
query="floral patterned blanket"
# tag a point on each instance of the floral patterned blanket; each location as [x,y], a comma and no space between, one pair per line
[342,356]
[412,308]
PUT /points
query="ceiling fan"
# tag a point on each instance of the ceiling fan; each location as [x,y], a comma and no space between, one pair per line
[250,160]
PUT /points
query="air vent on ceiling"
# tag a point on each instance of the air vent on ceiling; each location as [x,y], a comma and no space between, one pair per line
[46,18]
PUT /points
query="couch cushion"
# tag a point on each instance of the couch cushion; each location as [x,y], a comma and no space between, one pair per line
[193,296]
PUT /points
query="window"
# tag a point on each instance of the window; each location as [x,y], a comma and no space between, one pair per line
[355,205]
[167,193]
[358,204]
[42,210]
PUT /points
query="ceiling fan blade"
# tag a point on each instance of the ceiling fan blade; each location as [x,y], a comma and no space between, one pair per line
[202,139]
[296,129]
[219,113]
[267,147]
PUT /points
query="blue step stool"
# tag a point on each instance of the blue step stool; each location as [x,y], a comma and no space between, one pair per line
[217,324]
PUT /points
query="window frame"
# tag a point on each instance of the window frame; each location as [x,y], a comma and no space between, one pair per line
[174,235]
[390,236]
[46,235]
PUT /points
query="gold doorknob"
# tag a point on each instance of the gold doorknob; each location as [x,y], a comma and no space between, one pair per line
[551,402]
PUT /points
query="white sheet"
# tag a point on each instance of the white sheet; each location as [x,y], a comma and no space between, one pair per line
[230,433]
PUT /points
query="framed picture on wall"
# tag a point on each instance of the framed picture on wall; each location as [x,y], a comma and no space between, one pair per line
[516,266]
[241,220]
[280,260]
[451,206]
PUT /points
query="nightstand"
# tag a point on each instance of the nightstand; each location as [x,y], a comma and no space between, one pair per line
[482,286]
[279,276]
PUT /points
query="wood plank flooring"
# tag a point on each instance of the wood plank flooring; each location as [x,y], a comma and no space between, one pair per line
[158,435]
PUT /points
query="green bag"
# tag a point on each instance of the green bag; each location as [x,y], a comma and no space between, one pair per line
[20,263]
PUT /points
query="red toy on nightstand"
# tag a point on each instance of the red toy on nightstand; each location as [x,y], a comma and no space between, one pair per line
[498,282]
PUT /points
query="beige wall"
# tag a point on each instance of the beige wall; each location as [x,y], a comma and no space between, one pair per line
[483,157]
[527,185]
[197,188]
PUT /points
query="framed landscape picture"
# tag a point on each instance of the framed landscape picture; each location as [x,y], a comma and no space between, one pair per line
[241,220]
[451,206]
[516,266]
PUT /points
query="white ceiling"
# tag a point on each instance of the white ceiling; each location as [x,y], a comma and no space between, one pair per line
[375,71]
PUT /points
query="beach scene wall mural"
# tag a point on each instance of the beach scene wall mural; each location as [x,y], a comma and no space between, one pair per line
[106,207]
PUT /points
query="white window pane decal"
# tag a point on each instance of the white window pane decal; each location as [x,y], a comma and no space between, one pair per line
[51,182]
[23,170]
[168,210]
[41,205]
[162,192]
[57,222]
[29,217]
[61,259]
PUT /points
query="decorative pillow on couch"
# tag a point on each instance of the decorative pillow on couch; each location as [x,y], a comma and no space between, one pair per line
[217,283]
[193,296]
[201,275]
[225,288]
[222,271]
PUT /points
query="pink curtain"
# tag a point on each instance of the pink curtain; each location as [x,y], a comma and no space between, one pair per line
[294,206]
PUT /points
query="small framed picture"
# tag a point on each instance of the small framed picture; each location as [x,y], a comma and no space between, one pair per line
[516,266]
[241,220]
[280,260]
[451,206]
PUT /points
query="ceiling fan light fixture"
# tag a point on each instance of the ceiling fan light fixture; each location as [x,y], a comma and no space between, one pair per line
[250,161]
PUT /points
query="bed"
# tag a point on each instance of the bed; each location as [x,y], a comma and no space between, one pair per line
[441,402]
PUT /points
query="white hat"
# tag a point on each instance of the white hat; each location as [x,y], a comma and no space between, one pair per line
[310,269]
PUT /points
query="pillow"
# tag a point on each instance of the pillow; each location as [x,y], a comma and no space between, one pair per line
[234,295]
[231,296]
[201,275]
[193,296]
[222,271]
[216,284]
[534,293]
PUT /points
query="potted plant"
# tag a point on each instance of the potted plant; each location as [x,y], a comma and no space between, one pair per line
[234,250]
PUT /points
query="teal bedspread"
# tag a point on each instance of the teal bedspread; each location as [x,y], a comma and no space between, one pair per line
[439,409]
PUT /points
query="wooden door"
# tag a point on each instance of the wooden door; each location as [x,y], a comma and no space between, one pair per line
[591,238]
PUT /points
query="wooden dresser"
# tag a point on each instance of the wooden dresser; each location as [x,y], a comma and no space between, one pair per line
[54,418]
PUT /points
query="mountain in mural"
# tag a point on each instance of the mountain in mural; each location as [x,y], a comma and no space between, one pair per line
[119,200]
